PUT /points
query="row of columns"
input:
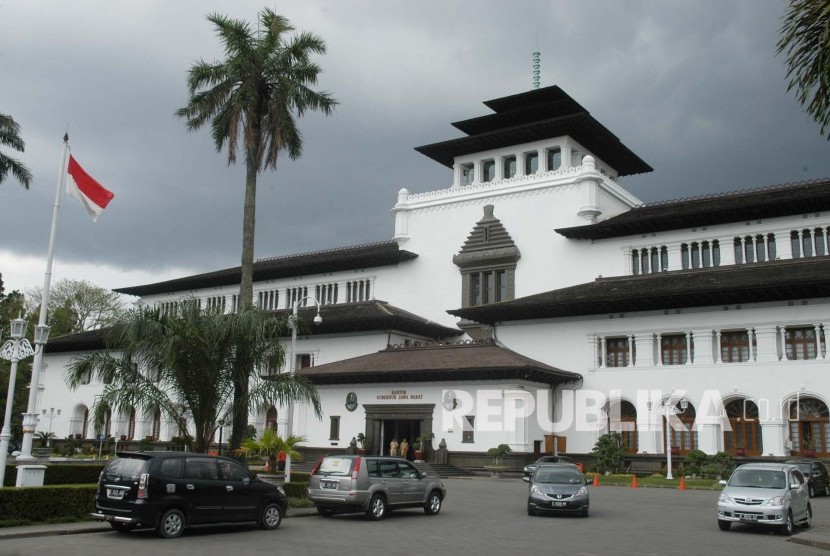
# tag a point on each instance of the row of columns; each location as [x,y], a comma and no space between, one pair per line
[566,161]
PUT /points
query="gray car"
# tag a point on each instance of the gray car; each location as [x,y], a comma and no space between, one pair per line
[770,494]
[558,488]
[373,485]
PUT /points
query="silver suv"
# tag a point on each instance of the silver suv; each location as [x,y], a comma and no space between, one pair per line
[772,494]
[373,485]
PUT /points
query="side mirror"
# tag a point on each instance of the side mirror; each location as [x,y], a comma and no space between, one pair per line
[246,481]
[722,483]
[525,479]
[794,486]
[588,481]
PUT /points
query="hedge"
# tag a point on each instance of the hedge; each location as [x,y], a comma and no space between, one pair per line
[44,503]
[296,489]
[61,474]
[300,476]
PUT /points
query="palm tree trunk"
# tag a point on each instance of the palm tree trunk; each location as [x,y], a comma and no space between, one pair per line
[246,295]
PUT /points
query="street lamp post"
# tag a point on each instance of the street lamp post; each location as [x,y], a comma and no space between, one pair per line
[31,415]
[292,368]
[14,350]
[668,410]
[51,415]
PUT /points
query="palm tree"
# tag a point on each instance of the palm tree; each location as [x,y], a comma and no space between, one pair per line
[10,137]
[805,38]
[270,445]
[184,367]
[253,96]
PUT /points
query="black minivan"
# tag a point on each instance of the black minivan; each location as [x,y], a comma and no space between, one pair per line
[170,491]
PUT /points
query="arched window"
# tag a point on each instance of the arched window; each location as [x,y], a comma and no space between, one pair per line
[744,438]
[808,426]
[682,430]
[271,418]
[622,418]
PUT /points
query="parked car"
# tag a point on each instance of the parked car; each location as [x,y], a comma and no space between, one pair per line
[770,494]
[529,469]
[373,485]
[170,491]
[558,488]
[814,470]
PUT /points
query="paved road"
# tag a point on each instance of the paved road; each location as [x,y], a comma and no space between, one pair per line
[481,516]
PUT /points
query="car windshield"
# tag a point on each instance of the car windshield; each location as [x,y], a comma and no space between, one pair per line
[558,477]
[337,467]
[758,478]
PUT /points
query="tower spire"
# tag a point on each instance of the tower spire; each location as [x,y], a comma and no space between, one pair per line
[536,65]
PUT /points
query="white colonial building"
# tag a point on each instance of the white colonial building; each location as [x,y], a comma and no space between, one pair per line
[536,302]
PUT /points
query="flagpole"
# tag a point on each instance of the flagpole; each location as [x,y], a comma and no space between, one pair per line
[30,417]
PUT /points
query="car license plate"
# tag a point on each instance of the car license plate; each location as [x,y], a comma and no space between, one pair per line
[328,484]
[559,504]
[747,517]
[115,493]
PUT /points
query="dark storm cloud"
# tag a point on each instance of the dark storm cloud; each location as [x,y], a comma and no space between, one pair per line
[694,88]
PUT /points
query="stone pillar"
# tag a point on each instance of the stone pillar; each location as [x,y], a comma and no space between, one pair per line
[707,435]
[727,251]
[675,259]
[659,350]
[603,353]
[716,351]
[631,351]
[703,347]
[688,348]
[566,157]
[774,435]
[765,339]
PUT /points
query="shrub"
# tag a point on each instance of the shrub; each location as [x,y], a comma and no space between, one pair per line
[300,477]
[40,504]
[498,453]
[694,462]
[609,452]
[296,489]
[61,475]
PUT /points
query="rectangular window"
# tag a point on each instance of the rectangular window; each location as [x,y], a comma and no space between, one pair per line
[554,159]
[501,285]
[509,167]
[800,343]
[771,247]
[488,287]
[616,352]
[475,289]
[739,252]
[796,244]
[334,428]
[734,347]
[673,349]
[488,170]
[531,163]
[684,256]
[468,432]
[819,235]
[467,173]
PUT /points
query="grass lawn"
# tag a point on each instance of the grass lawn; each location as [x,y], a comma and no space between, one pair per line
[655,481]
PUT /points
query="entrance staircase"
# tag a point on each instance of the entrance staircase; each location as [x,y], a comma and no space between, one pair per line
[443,470]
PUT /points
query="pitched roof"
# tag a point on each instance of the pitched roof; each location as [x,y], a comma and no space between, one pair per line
[735,206]
[438,363]
[383,253]
[365,316]
[807,278]
[532,116]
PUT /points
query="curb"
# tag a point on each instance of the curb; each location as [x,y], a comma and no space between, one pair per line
[824,545]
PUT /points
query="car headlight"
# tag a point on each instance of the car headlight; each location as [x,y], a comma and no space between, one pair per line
[281,490]
[526,469]
[535,490]
[776,501]
[725,499]
[581,492]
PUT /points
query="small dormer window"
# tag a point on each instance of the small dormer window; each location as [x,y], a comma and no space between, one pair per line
[531,163]
[488,170]
[554,157]
[467,173]
[509,168]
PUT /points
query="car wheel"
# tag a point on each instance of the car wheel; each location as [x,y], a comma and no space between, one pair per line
[812,490]
[808,519]
[271,516]
[324,511]
[433,503]
[171,524]
[122,527]
[377,508]
[724,525]
[530,510]
[827,489]
[789,526]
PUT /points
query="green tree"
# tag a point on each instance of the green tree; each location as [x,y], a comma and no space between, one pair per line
[184,366]
[609,452]
[10,137]
[805,40]
[77,306]
[252,97]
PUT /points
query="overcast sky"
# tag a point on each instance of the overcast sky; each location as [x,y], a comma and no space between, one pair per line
[694,88]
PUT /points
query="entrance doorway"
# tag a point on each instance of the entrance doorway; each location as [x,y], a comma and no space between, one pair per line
[400,429]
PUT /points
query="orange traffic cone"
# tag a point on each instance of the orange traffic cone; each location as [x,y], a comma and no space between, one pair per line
[596,480]
[682,483]
[634,482]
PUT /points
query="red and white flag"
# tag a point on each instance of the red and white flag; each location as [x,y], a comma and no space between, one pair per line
[92,195]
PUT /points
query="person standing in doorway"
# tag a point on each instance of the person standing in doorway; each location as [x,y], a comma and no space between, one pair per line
[393,447]
[404,448]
